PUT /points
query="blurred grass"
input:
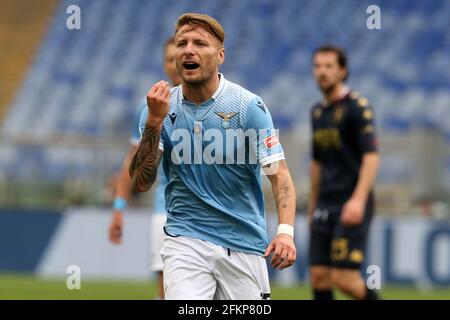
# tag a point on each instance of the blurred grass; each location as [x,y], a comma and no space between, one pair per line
[25,287]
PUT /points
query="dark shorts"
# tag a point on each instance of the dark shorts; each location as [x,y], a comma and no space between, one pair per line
[334,245]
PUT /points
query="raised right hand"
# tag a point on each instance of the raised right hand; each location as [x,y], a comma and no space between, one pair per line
[158,99]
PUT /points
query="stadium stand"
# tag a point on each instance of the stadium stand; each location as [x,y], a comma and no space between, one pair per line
[22,25]
[86,82]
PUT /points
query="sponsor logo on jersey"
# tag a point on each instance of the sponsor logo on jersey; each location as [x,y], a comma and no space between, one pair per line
[271,141]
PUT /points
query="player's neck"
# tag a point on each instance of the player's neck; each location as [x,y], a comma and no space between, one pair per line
[201,93]
[335,94]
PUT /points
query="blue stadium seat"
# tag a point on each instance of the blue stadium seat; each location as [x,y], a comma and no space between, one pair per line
[107,66]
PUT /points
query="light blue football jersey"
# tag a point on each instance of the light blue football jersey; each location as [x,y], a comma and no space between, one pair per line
[159,205]
[212,161]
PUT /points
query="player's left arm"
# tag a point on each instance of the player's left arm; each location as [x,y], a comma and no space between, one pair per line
[271,157]
[282,246]
[354,208]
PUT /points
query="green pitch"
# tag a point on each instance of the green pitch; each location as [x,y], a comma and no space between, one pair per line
[29,287]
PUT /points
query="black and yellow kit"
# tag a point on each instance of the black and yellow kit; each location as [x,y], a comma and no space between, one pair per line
[343,131]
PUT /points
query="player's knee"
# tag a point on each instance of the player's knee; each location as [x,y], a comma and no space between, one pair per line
[339,279]
[320,278]
[342,280]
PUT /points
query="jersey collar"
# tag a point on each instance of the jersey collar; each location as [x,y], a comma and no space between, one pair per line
[341,95]
[220,90]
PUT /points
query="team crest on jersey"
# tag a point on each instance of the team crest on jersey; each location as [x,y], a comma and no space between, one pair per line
[226,117]
[338,114]
[317,113]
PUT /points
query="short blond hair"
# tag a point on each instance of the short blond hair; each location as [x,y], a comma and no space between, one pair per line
[208,23]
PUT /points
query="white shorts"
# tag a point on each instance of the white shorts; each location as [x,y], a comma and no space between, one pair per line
[200,270]
[157,222]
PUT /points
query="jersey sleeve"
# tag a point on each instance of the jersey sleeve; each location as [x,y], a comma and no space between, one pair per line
[135,136]
[268,147]
[314,147]
[364,121]
[142,122]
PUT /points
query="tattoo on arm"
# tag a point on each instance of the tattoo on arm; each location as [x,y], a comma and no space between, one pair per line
[283,195]
[144,165]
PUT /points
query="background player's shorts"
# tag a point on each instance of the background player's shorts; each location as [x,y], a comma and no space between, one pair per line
[200,270]
[335,245]
[157,222]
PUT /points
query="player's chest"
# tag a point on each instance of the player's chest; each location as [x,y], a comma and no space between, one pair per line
[209,119]
[336,116]
[331,126]
[213,135]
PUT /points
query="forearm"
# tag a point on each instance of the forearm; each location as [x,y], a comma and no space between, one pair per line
[314,190]
[124,183]
[367,176]
[144,165]
[285,197]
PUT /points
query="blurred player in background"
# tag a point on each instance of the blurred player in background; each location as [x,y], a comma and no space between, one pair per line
[216,235]
[343,170]
[124,184]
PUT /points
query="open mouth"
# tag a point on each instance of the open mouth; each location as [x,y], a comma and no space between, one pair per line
[190,65]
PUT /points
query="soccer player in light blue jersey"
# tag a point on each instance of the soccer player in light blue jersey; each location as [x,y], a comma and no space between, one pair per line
[124,185]
[213,137]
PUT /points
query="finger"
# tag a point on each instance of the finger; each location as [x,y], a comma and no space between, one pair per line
[276,261]
[276,258]
[159,90]
[162,89]
[117,239]
[154,87]
[167,93]
[113,238]
[344,217]
[349,218]
[344,211]
[111,232]
[284,252]
[293,256]
[117,231]
[268,250]
[344,220]
[289,261]
[283,257]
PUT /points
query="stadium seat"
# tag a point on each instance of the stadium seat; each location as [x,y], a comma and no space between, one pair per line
[88,81]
